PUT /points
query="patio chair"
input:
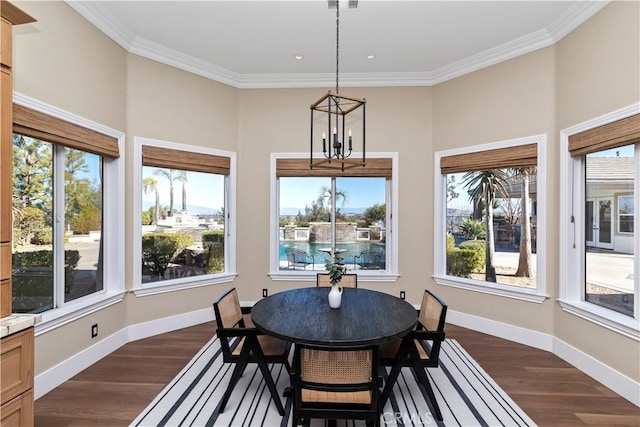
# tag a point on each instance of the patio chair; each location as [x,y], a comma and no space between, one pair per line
[298,258]
[348,280]
[242,344]
[336,383]
[419,349]
[369,260]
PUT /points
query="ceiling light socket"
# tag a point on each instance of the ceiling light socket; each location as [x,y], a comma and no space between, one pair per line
[298,56]
[371,55]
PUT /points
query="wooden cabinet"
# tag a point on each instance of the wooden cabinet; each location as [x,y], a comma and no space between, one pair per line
[16,378]
[16,349]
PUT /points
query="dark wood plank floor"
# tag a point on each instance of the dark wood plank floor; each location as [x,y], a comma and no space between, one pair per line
[117,388]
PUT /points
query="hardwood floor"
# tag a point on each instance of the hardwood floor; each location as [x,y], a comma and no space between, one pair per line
[116,389]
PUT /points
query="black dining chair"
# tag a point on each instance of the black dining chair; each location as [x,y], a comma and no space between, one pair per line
[419,349]
[348,280]
[242,344]
[336,383]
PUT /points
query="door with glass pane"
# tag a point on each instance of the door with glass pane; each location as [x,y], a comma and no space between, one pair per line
[599,223]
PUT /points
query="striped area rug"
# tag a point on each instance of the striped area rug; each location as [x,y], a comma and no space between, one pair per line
[466,394]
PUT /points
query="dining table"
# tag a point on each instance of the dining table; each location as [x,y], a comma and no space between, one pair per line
[303,315]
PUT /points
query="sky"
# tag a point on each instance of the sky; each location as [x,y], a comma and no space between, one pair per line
[203,190]
[361,192]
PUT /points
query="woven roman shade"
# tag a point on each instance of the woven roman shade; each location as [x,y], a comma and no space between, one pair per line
[185,160]
[41,126]
[520,156]
[378,167]
[612,135]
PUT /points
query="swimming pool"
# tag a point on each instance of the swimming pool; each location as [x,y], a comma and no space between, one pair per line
[350,250]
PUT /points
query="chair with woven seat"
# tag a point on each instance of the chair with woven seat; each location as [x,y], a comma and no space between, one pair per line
[419,349]
[336,383]
[242,344]
[348,280]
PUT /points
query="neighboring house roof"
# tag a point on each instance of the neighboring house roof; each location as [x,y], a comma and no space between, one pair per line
[610,169]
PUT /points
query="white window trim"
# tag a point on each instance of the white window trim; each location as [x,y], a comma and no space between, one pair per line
[537,295]
[144,289]
[572,252]
[388,275]
[619,215]
[114,235]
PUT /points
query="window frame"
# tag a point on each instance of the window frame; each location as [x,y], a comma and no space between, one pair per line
[537,295]
[572,253]
[618,196]
[113,233]
[389,275]
[178,284]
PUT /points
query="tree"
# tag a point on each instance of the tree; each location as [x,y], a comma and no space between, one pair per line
[324,199]
[151,184]
[473,229]
[451,188]
[486,185]
[170,175]
[524,260]
[375,213]
[182,177]
[32,173]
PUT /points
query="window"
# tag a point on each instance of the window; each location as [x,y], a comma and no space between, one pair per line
[489,219]
[65,176]
[599,273]
[185,223]
[303,226]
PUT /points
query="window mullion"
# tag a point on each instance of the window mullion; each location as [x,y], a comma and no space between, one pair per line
[636,230]
[58,225]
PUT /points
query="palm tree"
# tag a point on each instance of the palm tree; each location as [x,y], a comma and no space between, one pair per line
[170,175]
[324,197]
[486,185]
[151,184]
[182,177]
[524,260]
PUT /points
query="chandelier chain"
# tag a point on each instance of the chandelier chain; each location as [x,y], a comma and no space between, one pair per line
[337,43]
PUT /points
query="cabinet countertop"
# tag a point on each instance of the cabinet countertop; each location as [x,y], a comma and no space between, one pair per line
[17,322]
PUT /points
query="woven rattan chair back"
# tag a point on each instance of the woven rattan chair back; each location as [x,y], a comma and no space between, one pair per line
[431,309]
[348,280]
[228,310]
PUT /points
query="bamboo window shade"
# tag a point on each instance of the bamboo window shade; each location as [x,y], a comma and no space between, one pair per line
[612,135]
[377,167]
[185,160]
[42,126]
[520,156]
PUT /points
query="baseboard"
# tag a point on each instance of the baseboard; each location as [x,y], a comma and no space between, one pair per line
[53,377]
[607,376]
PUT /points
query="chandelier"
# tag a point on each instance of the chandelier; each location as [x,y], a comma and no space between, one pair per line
[330,112]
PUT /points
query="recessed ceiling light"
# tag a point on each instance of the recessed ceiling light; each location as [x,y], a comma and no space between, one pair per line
[371,55]
[298,56]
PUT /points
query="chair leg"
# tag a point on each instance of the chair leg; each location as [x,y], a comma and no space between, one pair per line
[393,375]
[235,377]
[424,380]
[259,356]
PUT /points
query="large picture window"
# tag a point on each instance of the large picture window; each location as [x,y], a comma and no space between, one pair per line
[305,227]
[489,217]
[600,279]
[64,179]
[184,205]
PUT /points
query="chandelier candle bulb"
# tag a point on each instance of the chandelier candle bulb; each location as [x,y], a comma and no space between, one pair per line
[350,148]
[324,143]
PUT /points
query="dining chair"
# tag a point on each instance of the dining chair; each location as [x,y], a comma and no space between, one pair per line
[348,280]
[419,349]
[242,344]
[336,383]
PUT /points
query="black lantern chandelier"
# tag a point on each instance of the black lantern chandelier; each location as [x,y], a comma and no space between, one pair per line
[331,111]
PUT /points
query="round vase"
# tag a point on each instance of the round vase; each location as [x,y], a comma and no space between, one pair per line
[335,296]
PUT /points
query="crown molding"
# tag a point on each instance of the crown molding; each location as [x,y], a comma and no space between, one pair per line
[575,15]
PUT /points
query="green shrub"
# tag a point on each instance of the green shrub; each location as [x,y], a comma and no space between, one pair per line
[44,236]
[216,236]
[214,241]
[160,249]
[473,229]
[479,247]
[89,218]
[460,262]
[451,241]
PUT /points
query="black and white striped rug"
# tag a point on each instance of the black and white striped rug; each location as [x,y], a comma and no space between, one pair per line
[466,394]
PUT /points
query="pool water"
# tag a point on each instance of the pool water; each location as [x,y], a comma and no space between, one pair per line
[320,257]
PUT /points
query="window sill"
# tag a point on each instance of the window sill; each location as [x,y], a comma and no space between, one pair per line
[182,284]
[55,318]
[310,276]
[625,325]
[529,295]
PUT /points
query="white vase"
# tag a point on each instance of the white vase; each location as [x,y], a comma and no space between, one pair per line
[335,296]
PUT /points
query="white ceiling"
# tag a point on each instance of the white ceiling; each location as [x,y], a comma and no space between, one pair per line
[251,44]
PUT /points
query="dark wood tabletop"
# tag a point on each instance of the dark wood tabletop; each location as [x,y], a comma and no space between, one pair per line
[303,316]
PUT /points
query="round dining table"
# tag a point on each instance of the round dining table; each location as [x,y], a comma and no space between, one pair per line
[364,317]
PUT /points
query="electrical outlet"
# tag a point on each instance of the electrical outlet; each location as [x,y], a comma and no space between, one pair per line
[401,294]
[265,293]
[94,330]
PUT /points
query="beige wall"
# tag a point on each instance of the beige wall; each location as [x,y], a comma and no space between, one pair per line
[598,71]
[64,61]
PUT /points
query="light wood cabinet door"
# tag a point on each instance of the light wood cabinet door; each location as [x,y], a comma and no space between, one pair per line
[18,412]
[16,364]
[6,184]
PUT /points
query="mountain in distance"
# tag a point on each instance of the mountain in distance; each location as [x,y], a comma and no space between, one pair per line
[191,209]
[345,211]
